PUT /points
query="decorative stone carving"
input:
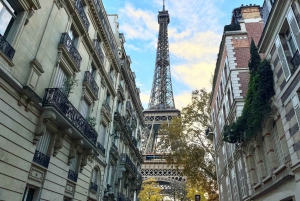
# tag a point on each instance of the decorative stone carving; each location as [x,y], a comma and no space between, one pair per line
[42,124]
[86,154]
[75,147]
[59,140]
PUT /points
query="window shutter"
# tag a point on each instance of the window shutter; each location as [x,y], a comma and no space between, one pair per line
[43,143]
[281,54]
[61,76]
[294,27]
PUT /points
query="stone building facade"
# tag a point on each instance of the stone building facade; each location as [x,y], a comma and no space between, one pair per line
[71,116]
[230,84]
[270,163]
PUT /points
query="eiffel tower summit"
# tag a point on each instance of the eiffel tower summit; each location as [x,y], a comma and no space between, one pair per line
[161,109]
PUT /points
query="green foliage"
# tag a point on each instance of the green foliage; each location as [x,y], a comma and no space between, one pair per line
[91,121]
[151,191]
[188,147]
[69,85]
[257,103]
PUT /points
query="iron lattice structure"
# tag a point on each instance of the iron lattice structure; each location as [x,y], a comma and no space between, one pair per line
[162,94]
[161,109]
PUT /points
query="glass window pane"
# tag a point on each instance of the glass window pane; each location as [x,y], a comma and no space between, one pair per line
[5,18]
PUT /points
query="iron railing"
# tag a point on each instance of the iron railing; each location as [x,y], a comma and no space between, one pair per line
[41,159]
[295,60]
[72,175]
[88,78]
[54,97]
[6,48]
[69,45]
[94,187]
[124,158]
[106,105]
[80,10]
[101,148]
[232,27]
[98,50]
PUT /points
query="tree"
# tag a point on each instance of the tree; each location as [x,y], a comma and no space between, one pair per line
[188,146]
[151,191]
[178,191]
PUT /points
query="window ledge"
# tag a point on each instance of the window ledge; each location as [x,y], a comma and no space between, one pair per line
[279,169]
[267,179]
[10,63]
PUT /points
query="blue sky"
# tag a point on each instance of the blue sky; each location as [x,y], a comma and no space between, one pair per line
[195,34]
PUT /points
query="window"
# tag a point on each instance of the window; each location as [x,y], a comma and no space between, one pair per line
[41,155]
[282,58]
[29,194]
[7,17]
[290,42]
[242,178]
[93,71]
[234,186]
[84,108]
[228,188]
[120,105]
[107,98]
[60,78]
[102,134]
[224,153]
[95,176]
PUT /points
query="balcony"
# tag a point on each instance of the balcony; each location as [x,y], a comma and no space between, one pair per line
[101,148]
[54,98]
[114,152]
[6,48]
[295,61]
[80,10]
[232,27]
[72,175]
[91,84]
[68,46]
[99,51]
[94,187]
[124,159]
[41,159]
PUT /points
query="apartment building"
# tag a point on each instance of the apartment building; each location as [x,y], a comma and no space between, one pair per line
[71,116]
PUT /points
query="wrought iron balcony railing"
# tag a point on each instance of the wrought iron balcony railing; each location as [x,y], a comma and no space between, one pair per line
[6,48]
[295,61]
[134,141]
[54,97]
[124,158]
[232,27]
[72,175]
[69,45]
[107,107]
[98,50]
[88,78]
[41,159]
[94,187]
[101,148]
[121,197]
[80,10]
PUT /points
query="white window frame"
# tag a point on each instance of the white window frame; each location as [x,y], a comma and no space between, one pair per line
[283,61]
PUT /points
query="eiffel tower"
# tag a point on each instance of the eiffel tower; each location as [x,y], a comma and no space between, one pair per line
[161,109]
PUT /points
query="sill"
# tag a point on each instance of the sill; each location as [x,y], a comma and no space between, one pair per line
[257,186]
[10,63]
[267,179]
[279,169]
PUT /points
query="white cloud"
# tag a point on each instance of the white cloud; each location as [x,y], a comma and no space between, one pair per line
[193,48]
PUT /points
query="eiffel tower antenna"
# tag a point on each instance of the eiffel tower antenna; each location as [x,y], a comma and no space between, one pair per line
[164,6]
